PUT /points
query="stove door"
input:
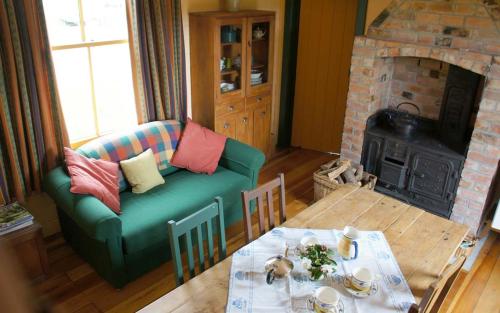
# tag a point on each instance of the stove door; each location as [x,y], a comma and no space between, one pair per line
[430,175]
[372,151]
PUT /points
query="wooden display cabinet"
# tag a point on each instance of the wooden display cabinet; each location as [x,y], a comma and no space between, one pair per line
[231,73]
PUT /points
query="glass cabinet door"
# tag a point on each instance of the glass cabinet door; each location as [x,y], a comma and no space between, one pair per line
[260,42]
[230,59]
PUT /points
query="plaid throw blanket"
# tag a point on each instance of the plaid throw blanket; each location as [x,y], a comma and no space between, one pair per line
[161,136]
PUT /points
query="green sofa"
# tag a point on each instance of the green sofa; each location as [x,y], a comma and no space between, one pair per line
[123,247]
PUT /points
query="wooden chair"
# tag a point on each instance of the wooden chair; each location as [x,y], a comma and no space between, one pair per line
[194,224]
[434,296]
[258,193]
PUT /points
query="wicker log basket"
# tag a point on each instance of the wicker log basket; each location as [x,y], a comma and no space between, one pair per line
[338,173]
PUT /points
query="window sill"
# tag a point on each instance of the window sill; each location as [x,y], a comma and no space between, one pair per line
[77,144]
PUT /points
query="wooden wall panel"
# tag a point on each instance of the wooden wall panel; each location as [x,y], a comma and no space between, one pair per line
[326,36]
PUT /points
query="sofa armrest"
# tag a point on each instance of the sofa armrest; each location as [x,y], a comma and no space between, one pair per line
[242,159]
[93,216]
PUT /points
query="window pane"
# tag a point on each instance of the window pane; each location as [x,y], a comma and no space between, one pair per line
[105,19]
[73,81]
[113,87]
[63,21]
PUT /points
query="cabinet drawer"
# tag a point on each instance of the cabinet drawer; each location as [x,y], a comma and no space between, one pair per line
[226,125]
[253,102]
[229,107]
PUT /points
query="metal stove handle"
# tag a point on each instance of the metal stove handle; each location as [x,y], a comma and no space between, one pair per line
[412,104]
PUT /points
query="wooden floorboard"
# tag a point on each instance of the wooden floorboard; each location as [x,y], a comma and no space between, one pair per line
[73,286]
[480,290]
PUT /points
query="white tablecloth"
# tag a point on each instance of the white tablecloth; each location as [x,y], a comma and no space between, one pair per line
[249,292]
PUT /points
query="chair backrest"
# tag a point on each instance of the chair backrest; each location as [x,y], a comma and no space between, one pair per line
[195,224]
[259,193]
[434,296]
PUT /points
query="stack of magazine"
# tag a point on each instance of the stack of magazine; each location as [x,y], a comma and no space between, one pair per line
[14,217]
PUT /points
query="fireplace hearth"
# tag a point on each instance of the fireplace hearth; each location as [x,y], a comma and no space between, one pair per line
[423,167]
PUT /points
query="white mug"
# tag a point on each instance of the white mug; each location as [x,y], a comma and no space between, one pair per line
[351,232]
[324,300]
[361,278]
[347,246]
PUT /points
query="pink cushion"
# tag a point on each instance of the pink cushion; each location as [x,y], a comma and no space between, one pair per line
[94,177]
[199,149]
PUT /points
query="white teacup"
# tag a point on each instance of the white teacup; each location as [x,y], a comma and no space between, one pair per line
[324,300]
[361,278]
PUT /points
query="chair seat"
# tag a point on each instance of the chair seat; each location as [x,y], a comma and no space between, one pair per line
[145,216]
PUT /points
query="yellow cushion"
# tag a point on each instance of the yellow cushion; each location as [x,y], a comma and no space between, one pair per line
[141,172]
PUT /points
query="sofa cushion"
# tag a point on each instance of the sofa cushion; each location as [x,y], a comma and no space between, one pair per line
[141,172]
[94,177]
[199,149]
[144,216]
[161,136]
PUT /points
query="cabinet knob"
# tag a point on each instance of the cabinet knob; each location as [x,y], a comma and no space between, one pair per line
[226,125]
[231,108]
[245,120]
[259,99]
[419,175]
[263,113]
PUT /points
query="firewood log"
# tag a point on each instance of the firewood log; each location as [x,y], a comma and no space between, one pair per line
[344,165]
[325,172]
[349,176]
[359,172]
[328,165]
[370,184]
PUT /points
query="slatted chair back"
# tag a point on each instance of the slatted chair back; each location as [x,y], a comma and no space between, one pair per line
[197,223]
[258,194]
[434,296]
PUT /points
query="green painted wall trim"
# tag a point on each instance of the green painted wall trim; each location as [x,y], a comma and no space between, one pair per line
[290,45]
[361,17]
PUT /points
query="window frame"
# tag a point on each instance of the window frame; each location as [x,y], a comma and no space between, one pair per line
[89,45]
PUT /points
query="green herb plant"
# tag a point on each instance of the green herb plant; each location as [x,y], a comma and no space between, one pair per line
[318,260]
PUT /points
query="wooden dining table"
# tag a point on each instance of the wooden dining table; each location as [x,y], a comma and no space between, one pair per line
[421,242]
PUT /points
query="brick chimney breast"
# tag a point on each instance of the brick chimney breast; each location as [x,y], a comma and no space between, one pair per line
[462,24]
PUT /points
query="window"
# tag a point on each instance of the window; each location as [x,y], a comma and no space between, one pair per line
[89,42]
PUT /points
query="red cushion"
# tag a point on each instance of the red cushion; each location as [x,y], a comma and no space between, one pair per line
[94,177]
[199,149]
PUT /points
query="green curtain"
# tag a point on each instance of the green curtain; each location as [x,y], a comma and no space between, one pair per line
[157,49]
[32,132]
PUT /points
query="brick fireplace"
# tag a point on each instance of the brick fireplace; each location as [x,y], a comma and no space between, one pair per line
[406,55]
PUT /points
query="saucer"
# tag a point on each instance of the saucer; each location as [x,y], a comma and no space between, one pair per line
[339,309]
[358,293]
